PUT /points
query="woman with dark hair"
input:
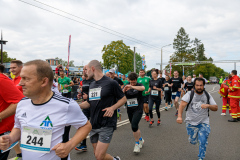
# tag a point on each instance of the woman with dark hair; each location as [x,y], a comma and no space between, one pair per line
[155,88]
[133,92]
[168,91]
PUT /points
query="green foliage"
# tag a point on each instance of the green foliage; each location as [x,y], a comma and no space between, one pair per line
[64,63]
[6,58]
[118,55]
[186,53]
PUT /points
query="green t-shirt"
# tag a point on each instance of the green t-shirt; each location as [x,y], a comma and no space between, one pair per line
[145,81]
[62,82]
[125,82]
[221,81]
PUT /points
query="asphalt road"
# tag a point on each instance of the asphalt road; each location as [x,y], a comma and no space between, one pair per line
[170,141]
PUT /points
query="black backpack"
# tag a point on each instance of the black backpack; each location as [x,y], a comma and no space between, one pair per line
[191,97]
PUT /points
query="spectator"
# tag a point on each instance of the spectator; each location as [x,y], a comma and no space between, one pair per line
[56,70]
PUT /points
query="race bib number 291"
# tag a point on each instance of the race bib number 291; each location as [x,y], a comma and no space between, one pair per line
[36,140]
[94,94]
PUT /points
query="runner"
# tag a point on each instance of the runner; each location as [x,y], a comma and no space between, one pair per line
[145,81]
[15,69]
[105,96]
[107,74]
[167,90]
[64,85]
[155,88]
[194,76]
[176,89]
[41,118]
[84,94]
[9,97]
[133,92]
[112,75]
[188,86]
[198,103]
[162,80]
[124,80]
[182,86]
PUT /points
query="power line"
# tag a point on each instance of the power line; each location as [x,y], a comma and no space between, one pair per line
[93,23]
[140,42]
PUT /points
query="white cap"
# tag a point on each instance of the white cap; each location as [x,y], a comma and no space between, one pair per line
[112,70]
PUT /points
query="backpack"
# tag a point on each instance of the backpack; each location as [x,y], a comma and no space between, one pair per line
[191,97]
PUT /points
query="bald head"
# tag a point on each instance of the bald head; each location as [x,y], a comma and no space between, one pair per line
[96,64]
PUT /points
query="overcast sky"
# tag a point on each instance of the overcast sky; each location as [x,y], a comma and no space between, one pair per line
[33,33]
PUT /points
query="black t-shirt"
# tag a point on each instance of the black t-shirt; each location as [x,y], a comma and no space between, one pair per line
[162,79]
[176,83]
[103,94]
[167,88]
[85,85]
[132,94]
[157,83]
[118,80]
[188,86]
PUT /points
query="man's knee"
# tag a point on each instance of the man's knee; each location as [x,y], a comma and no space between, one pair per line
[99,156]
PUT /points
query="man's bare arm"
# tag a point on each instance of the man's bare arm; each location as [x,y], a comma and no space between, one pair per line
[8,111]
[84,105]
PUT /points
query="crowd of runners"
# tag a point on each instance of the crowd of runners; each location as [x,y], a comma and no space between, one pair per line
[44,111]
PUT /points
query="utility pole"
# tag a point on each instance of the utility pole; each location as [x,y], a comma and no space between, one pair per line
[134,60]
[2,43]
[161,56]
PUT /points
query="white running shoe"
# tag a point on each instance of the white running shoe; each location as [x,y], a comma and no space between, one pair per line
[136,148]
[223,114]
[141,143]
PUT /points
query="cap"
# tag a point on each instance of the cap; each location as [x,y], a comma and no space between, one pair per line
[112,70]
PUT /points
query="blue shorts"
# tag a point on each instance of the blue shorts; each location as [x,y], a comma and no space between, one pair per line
[176,94]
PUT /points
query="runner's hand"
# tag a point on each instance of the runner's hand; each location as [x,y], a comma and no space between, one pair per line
[127,87]
[204,106]
[154,87]
[5,142]
[146,92]
[109,112]
[65,86]
[85,96]
[62,150]
[79,95]
[179,120]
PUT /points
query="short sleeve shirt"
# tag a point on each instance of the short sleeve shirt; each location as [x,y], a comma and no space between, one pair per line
[167,88]
[177,82]
[145,81]
[9,94]
[195,114]
[53,115]
[132,94]
[63,81]
[157,83]
[108,93]
[125,82]
[118,80]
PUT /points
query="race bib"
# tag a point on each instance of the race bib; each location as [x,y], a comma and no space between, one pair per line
[36,140]
[154,92]
[174,93]
[94,94]
[166,88]
[132,102]
[65,91]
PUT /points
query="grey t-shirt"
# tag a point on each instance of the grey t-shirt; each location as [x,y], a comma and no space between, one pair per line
[195,114]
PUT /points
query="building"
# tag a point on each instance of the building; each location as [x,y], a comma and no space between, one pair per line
[52,61]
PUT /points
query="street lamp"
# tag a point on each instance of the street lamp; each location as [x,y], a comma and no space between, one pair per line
[2,42]
[161,55]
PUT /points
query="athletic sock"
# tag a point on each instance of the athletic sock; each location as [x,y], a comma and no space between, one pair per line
[137,142]
[140,139]
[147,114]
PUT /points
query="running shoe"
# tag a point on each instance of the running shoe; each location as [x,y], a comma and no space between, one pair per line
[81,148]
[136,148]
[147,118]
[166,108]
[171,105]
[18,158]
[223,114]
[141,143]
[159,122]
[117,158]
[151,123]
[176,113]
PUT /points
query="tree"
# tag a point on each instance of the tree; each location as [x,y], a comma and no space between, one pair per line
[6,58]
[64,63]
[118,55]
